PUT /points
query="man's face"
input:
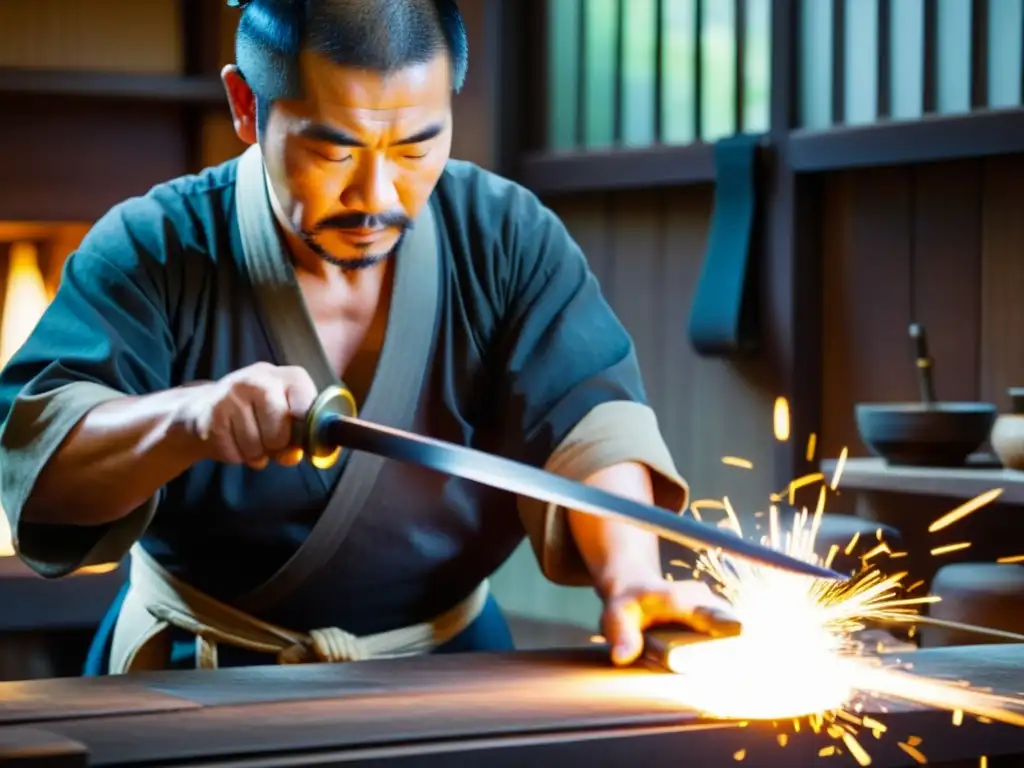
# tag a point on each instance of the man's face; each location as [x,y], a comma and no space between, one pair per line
[354,161]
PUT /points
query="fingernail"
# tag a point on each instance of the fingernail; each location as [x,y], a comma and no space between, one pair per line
[621,653]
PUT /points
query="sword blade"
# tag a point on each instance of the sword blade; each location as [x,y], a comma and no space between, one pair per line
[524,480]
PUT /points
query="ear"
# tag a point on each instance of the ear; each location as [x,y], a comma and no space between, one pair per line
[242,101]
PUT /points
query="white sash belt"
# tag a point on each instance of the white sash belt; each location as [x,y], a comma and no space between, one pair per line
[157,601]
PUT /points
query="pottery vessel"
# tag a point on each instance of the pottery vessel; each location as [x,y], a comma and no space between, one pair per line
[1008,432]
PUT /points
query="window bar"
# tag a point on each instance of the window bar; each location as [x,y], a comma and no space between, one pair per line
[659,70]
[620,72]
[838,62]
[740,36]
[931,40]
[581,80]
[979,54]
[698,69]
[883,108]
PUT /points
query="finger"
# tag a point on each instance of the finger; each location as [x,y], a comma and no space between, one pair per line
[300,391]
[272,418]
[246,433]
[622,624]
[289,457]
[699,607]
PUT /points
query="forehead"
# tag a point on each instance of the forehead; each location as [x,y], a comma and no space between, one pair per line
[328,87]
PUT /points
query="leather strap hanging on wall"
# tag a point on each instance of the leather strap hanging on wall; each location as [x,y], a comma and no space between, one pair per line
[723,317]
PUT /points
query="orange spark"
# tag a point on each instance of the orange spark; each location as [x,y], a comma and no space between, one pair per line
[947,548]
[972,505]
[780,419]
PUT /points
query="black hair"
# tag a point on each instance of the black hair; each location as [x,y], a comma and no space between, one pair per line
[377,35]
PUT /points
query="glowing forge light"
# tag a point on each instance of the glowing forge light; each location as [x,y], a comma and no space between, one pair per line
[25,300]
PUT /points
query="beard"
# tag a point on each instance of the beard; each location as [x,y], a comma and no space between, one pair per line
[356,221]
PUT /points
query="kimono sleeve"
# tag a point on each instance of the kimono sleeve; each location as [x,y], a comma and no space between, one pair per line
[575,400]
[105,335]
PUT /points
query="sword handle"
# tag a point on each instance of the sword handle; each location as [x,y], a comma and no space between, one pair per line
[308,433]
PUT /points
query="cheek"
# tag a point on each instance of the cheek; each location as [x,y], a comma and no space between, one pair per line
[417,184]
[305,191]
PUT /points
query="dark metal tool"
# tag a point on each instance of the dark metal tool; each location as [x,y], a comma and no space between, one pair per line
[661,641]
[331,424]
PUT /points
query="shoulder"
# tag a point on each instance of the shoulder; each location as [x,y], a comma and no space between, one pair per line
[483,200]
[503,229]
[186,214]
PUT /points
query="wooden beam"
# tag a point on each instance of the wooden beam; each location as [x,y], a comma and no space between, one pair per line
[935,138]
[565,172]
[791,265]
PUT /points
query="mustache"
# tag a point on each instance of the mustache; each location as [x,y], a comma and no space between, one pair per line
[365,221]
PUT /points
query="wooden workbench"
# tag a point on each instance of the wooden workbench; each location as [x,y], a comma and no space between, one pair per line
[527,709]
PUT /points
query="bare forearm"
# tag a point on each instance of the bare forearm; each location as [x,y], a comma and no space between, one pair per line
[115,459]
[615,551]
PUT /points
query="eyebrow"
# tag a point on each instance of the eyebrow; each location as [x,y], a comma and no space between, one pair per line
[329,135]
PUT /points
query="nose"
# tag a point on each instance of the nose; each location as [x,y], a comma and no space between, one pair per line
[372,188]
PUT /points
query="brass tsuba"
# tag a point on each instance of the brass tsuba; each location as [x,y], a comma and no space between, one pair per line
[333,401]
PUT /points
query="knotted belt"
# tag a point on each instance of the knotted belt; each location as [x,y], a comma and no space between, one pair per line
[173,603]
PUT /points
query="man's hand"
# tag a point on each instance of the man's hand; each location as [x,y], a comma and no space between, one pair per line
[630,610]
[626,565]
[247,417]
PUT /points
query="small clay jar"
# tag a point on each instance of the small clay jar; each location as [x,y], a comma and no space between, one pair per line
[1008,432]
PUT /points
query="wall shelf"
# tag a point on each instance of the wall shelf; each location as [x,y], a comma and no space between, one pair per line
[553,173]
[112,86]
[982,133]
[958,483]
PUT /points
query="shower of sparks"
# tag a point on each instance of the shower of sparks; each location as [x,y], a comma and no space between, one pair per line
[799,659]
[735,461]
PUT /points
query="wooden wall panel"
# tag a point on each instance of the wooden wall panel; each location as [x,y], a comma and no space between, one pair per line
[103,35]
[866,312]
[946,271]
[1002,279]
[941,244]
[72,161]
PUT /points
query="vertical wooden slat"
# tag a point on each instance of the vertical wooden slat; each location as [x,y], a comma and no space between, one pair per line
[945,276]
[838,62]
[740,35]
[790,262]
[866,294]
[979,54]
[620,72]
[659,71]
[884,90]
[929,85]
[581,68]
[529,71]
[698,69]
